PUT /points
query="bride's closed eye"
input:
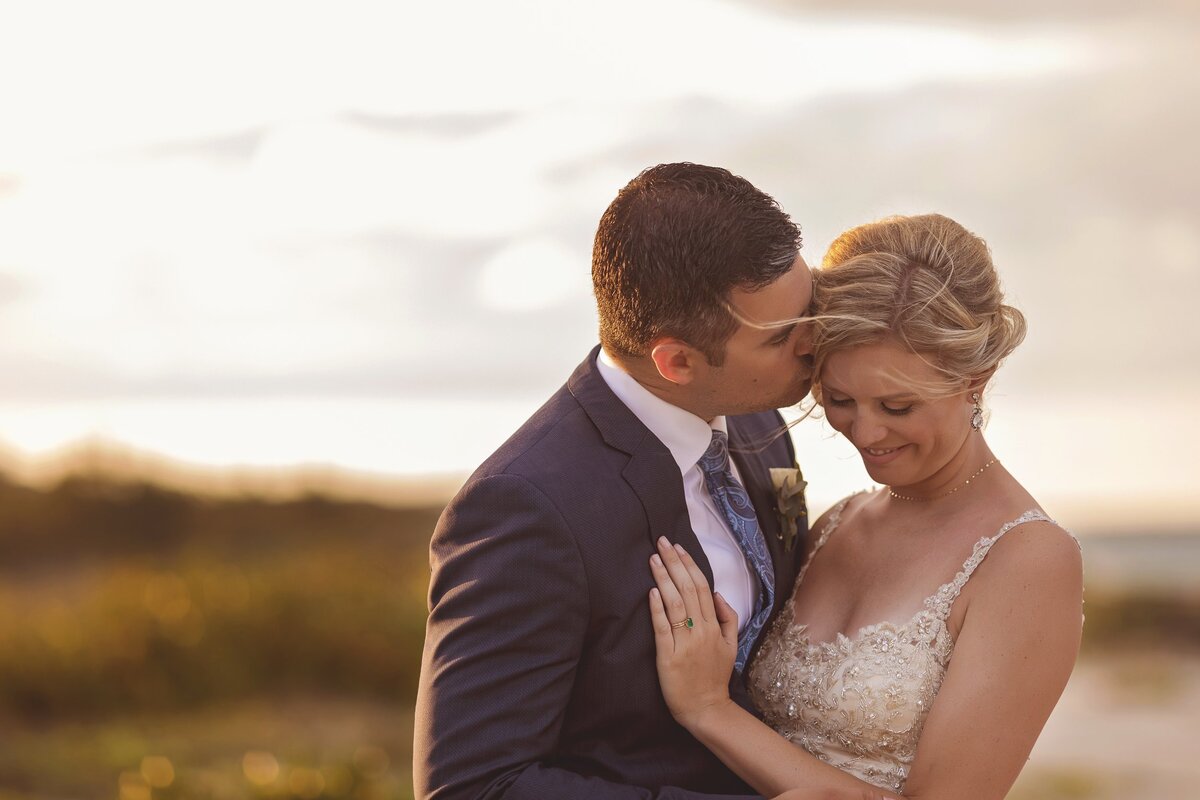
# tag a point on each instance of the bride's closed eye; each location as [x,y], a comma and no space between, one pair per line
[895,411]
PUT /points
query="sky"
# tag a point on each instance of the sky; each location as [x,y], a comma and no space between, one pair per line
[358,234]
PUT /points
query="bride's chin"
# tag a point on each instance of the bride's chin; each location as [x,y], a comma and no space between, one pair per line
[886,476]
[880,476]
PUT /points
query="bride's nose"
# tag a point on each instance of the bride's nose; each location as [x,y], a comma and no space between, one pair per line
[867,430]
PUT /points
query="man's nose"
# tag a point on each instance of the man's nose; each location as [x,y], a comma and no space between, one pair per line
[804,338]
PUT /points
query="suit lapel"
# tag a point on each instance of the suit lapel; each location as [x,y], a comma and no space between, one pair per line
[654,476]
[652,472]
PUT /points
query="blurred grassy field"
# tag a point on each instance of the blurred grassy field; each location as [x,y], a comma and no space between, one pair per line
[157,644]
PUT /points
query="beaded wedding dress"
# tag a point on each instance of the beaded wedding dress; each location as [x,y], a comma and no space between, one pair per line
[860,702]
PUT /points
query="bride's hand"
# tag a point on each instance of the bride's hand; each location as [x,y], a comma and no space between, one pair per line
[694,663]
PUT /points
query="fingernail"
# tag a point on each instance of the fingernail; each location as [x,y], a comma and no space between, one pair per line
[657,561]
[662,542]
[679,548]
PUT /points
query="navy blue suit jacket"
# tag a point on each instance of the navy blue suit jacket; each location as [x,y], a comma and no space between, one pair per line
[538,677]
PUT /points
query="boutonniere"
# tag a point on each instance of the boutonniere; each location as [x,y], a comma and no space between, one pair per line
[789,486]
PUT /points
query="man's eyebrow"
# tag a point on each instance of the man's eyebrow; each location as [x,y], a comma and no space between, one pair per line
[780,333]
[777,329]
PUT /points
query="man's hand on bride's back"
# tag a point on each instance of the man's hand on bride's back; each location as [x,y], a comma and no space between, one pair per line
[835,794]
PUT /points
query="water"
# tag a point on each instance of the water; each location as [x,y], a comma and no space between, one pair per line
[1163,561]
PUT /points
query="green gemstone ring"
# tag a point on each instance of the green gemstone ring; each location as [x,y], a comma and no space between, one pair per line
[687,623]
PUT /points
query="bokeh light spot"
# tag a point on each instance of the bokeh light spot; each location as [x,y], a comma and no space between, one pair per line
[158,771]
[132,786]
[260,768]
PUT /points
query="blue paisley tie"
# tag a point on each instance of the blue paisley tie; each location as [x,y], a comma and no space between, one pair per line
[733,502]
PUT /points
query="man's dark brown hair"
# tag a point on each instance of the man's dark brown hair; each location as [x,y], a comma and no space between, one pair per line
[670,248]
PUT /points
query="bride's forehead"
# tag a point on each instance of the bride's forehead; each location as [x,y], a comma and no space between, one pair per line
[883,363]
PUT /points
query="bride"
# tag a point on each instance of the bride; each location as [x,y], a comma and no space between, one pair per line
[936,620]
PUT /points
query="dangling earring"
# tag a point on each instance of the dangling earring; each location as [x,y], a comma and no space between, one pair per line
[976,413]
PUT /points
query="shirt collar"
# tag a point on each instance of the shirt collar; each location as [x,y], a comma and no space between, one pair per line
[684,434]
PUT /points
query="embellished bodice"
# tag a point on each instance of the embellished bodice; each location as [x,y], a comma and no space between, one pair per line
[859,702]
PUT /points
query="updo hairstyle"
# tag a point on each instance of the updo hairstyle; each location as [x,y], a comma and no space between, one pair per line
[924,280]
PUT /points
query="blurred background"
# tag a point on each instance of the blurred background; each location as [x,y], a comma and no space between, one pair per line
[275,276]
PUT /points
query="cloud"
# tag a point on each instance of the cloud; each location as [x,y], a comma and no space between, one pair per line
[531,274]
[101,84]
[350,228]
[1024,12]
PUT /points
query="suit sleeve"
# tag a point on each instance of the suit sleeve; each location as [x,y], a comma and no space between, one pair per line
[508,615]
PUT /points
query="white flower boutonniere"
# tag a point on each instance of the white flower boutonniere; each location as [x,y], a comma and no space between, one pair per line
[789,486]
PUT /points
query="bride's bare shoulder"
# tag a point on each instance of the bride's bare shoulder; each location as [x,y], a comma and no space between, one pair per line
[1036,556]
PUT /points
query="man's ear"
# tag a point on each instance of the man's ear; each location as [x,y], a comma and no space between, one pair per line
[676,360]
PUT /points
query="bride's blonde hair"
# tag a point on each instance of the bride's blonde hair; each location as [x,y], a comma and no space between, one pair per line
[924,280]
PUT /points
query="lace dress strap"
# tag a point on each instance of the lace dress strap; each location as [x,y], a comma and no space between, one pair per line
[835,516]
[943,600]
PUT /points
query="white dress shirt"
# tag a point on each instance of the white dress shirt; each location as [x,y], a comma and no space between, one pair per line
[687,437]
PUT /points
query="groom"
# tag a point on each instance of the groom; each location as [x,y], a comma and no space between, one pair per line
[538,678]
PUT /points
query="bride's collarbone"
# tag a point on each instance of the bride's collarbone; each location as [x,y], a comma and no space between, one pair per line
[883,516]
[950,531]
[875,576]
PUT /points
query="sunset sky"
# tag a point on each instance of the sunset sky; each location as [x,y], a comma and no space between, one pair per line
[358,234]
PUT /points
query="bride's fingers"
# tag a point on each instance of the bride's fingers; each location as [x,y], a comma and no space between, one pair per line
[663,640]
[682,579]
[727,618]
[672,601]
[703,590]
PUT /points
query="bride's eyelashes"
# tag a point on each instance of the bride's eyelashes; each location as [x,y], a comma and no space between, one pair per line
[895,411]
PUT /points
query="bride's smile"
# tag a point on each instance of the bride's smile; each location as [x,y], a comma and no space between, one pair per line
[908,423]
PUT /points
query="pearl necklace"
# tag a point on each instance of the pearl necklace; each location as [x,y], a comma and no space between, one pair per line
[979,472]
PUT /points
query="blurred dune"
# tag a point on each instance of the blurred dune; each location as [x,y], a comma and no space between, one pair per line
[146,632]
[112,462]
